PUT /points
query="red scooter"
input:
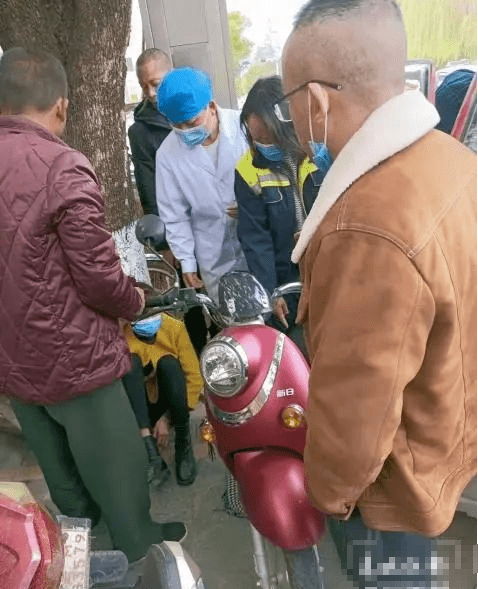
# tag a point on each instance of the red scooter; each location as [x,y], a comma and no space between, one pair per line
[256,394]
[256,389]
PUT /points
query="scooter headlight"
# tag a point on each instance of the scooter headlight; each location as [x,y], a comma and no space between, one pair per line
[224,366]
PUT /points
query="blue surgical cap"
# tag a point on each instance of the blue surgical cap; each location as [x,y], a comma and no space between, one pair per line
[183,93]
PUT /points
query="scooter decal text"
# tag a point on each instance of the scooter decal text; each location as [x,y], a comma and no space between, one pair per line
[285,393]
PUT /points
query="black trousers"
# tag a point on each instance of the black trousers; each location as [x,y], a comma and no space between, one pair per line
[172,393]
[196,328]
[195,324]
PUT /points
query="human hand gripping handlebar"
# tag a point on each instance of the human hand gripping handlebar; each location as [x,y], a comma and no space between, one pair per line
[177,300]
[162,300]
[172,301]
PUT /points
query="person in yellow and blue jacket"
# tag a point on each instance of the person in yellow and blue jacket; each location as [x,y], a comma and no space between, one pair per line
[275,187]
[162,350]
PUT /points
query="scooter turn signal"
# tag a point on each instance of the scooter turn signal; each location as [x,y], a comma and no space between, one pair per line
[293,416]
[207,433]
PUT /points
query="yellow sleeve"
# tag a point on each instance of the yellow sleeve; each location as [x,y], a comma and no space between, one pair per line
[190,365]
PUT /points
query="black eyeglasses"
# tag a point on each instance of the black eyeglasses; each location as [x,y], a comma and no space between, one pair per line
[282,108]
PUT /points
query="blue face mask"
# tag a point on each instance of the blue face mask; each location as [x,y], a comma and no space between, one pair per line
[270,152]
[195,136]
[148,328]
[321,156]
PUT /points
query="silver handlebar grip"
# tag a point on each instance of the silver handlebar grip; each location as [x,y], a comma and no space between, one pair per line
[290,288]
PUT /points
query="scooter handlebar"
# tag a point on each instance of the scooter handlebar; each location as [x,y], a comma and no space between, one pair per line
[290,288]
[163,300]
[180,299]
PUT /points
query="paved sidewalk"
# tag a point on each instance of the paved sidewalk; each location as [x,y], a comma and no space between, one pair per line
[221,544]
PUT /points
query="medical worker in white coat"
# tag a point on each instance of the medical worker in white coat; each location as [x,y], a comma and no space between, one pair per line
[195,168]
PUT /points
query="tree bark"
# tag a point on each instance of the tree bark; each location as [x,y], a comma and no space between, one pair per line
[90,39]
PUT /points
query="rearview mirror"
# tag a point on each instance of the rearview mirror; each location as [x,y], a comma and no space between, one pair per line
[151,231]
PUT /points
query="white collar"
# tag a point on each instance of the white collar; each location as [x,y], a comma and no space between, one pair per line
[395,125]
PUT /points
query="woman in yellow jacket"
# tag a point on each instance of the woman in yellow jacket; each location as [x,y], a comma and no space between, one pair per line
[169,359]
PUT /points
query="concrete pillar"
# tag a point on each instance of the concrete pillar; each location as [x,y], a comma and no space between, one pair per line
[195,33]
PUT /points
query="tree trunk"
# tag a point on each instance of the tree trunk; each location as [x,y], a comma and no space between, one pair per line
[90,38]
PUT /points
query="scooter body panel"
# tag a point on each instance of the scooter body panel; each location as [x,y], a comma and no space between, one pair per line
[273,493]
[265,456]
[290,387]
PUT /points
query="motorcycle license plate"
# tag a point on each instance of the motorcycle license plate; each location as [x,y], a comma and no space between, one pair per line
[76,543]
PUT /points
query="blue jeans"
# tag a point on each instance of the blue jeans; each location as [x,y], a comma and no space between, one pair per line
[384,560]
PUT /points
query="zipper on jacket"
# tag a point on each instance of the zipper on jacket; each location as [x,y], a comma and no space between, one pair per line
[291,170]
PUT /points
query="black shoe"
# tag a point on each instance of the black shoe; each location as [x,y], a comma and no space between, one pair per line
[158,471]
[186,467]
[174,531]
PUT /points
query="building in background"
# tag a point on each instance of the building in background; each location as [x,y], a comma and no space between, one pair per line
[195,34]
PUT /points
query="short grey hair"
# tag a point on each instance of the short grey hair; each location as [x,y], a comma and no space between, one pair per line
[358,65]
[152,53]
[322,10]
[30,78]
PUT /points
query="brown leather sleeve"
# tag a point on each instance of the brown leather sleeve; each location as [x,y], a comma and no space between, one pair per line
[368,315]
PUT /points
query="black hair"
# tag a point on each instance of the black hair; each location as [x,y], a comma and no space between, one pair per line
[30,78]
[318,10]
[152,53]
[260,102]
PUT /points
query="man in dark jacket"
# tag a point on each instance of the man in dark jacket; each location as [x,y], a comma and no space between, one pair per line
[150,127]
[62,292]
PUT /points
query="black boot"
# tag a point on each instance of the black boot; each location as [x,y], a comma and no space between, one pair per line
[186,467]
[158,470]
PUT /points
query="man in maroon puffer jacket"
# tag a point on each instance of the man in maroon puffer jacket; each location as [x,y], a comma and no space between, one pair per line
[62,291]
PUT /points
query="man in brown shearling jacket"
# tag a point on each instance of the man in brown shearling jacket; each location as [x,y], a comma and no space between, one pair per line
[388,261]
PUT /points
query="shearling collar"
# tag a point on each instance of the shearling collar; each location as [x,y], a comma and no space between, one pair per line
[395,125]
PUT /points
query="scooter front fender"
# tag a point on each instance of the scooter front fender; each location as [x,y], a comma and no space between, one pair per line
[272,488]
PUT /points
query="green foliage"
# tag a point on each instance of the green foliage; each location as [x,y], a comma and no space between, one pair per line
[240,45]
[256,71]
[441,30]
